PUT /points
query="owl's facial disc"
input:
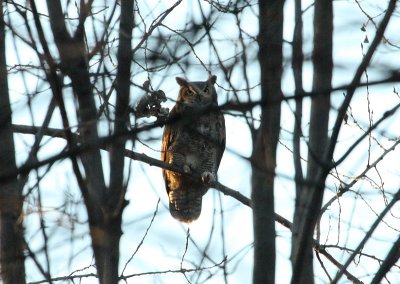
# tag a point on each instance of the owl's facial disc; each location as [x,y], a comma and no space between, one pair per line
[197,93]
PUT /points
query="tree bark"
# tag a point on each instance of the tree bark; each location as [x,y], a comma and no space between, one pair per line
[116,191]
[264,149]
[390,260]
[104,205]
[302,240]
[297,66]
[11,200]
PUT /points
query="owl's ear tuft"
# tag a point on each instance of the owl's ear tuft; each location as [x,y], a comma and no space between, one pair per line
[182,82]
[212,79]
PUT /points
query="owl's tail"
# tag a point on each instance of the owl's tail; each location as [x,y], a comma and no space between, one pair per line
[185,204]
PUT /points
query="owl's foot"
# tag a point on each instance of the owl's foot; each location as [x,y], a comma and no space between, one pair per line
[208,178]
[186,169]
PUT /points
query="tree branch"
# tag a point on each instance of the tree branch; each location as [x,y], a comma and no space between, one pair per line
[59,133]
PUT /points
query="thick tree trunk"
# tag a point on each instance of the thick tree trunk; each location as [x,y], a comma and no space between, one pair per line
[73,62]
[104,205]
[302,241]
[116,191]
[264,149]
[11,229]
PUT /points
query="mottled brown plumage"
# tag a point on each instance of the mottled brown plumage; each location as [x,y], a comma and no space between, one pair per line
[194,142]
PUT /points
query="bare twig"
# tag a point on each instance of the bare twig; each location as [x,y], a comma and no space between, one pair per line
[142,240]
[396,198]
[347,187]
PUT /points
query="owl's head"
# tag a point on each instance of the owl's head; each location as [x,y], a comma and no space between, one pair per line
[197,93]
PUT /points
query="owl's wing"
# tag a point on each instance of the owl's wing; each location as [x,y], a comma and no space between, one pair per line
[221,140]
[168,136]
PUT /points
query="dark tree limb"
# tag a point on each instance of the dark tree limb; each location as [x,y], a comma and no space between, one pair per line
[390,260]
[302,239]
[297,66]
[73,63]
[263,158]
[59,133]
[314,203]
[116,191]
[11,219]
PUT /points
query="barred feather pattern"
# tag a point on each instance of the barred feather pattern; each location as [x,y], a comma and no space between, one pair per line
[185,204]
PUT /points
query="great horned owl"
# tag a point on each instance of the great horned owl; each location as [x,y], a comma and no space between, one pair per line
[195,142]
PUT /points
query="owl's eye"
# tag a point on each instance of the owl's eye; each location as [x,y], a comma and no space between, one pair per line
[189,93]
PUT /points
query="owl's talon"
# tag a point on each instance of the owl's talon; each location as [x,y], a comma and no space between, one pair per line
[186,169]
[208,178]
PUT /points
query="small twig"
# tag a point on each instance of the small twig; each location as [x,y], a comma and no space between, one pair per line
[184,253]
[347,187]
[396,198]
[155,25]
[321,250]
[181,270]
[142,240]
[323,265]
